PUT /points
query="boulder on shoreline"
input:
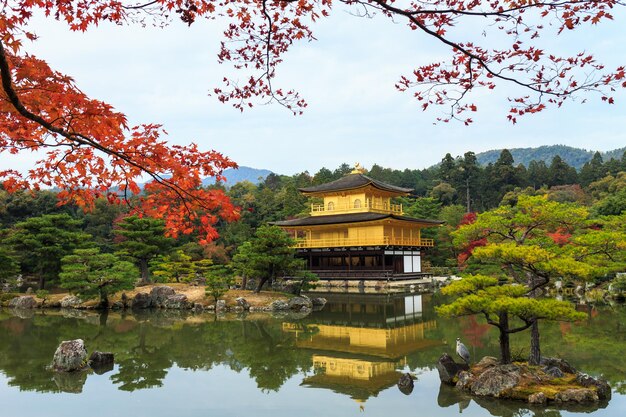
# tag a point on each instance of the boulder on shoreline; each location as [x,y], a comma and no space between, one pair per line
[242,302]
[176,302]
[159,296]
[70,301]
[141,300]
[279,305]
[23,302]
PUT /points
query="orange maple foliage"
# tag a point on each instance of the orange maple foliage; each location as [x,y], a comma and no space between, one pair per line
[90,148]
[91,152]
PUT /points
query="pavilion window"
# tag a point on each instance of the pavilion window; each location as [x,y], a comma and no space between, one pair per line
[331,206]
[357,203]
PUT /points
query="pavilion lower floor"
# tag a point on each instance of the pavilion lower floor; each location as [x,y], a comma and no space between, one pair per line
[364,263]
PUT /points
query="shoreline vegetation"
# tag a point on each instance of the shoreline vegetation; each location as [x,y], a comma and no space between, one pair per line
[174,296]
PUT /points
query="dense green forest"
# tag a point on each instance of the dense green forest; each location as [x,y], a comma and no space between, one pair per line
[575,157]
[36,233]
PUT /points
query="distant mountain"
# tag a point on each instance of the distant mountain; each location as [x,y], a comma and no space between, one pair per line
[233,176]
[575,157]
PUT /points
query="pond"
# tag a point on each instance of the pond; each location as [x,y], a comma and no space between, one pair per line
[342,361]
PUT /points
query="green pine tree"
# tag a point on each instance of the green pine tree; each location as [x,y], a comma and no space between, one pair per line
[142,239]
[91,274]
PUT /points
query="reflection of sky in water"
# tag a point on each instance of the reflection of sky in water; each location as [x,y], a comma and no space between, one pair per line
[223,392]
[353,357]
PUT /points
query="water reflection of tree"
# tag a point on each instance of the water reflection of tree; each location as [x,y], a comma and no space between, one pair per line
[146,347]
[595,346]
[145,366]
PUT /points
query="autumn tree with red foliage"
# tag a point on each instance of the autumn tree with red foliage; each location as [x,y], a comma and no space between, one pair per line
[90,149]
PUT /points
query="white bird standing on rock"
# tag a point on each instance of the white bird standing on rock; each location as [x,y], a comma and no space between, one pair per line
[462,351]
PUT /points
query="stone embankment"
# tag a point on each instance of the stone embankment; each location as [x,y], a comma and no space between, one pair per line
[187,298]
[554,381]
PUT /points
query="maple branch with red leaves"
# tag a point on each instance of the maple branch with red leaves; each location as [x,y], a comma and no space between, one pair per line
[44,110]
[182,193]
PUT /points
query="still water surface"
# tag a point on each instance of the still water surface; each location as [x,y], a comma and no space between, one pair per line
[342,361]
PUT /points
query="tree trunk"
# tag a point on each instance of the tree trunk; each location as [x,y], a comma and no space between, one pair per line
[467,195]
[535,349]
[145,273]
[261,282]
[505,346]
[42,282]
[244,281]
[104,301]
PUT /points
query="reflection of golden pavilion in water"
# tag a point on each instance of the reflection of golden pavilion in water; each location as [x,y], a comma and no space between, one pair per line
[360,357]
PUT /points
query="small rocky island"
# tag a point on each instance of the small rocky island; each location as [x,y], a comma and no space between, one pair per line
[554,381]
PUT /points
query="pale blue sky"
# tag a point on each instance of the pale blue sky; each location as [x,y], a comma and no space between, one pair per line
[347,77]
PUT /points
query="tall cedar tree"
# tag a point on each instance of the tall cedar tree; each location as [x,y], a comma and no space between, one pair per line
[91,274]
[143,240]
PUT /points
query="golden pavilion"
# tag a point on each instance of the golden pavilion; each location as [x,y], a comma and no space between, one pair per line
[357,231]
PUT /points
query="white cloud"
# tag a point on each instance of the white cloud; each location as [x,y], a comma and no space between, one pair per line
[355,114]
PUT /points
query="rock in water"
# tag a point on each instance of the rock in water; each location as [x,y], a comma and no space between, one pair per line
[449,369]
[579,395]
[141,301]
[101,362]
[602,387]
[296,303]
[464,380]
[70,356]
[23,303]
[553,371]
[405,384]
[487,362]
[242,302]
[494,381]
[562,364]
[537,398]
[160,294]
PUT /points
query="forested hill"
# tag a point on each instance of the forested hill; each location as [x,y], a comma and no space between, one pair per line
[575,157]
[233,176]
